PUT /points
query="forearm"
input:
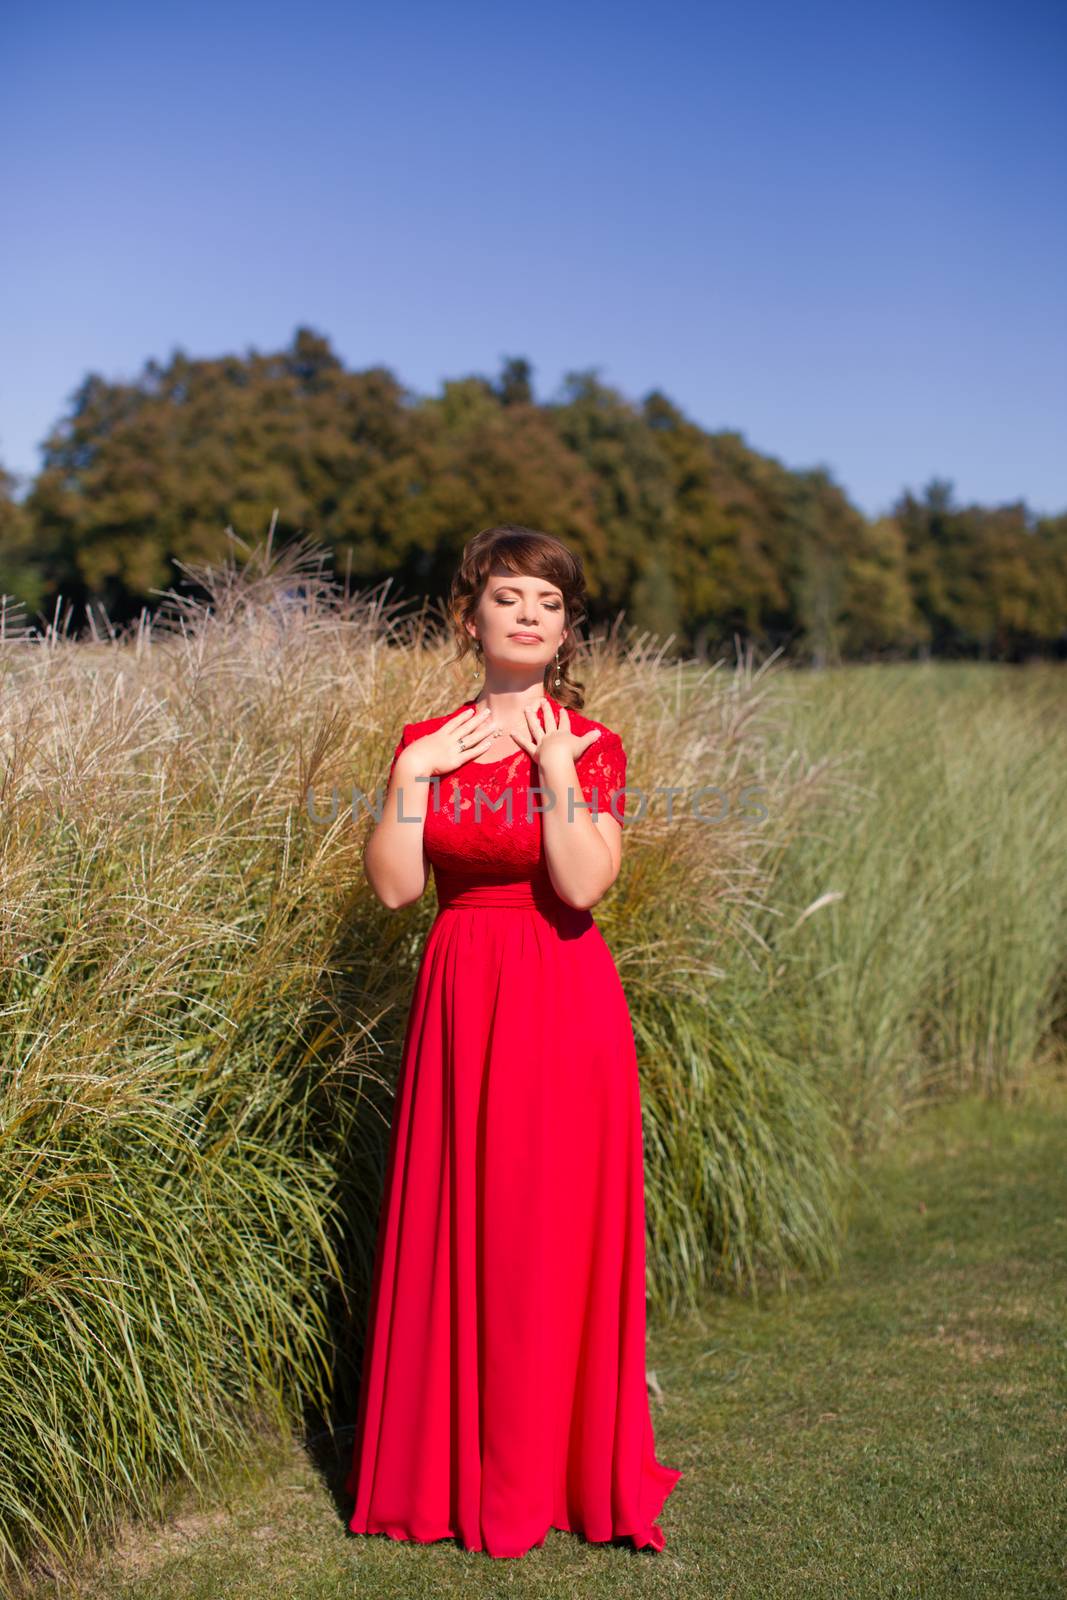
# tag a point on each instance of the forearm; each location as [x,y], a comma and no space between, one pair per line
[394,862]
[580,862]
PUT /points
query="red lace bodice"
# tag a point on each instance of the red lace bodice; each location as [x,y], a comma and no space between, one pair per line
[467,839]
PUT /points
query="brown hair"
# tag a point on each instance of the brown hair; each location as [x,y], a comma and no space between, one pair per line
[526,552]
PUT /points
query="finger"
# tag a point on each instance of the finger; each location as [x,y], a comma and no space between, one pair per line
[478,721]
[467,739]
[470,752]
[461,717]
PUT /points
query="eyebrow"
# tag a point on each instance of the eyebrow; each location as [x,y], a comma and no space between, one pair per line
[554,592]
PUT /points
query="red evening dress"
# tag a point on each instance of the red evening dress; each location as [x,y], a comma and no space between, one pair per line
[503,1385]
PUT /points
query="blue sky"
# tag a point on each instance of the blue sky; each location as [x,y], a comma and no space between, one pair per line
[840,229]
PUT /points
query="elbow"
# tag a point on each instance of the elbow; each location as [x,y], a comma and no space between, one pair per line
[394,902]
[581,902]
[390,895]
[586,902]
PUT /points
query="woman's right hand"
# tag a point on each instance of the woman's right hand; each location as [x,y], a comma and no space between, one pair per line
[464,737]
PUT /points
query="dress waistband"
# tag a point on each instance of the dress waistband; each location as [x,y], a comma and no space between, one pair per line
[522,895]
[488,894]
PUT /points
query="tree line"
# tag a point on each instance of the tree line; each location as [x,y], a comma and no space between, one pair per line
[691,533]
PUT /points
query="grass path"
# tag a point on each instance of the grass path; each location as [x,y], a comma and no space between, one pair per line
[900,1431]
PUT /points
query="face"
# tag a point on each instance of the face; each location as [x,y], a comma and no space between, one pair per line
[513,605]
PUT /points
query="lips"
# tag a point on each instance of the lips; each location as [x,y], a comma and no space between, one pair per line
[530,638]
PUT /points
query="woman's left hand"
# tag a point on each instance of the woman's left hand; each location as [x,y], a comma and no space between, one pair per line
[553,735]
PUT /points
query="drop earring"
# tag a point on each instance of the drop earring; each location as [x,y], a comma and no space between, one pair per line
[557,680]
[475,673]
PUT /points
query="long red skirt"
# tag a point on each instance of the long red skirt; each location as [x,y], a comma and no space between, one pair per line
[503,1386]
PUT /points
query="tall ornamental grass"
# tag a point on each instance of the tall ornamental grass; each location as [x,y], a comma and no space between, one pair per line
[203,1003]
[934,962]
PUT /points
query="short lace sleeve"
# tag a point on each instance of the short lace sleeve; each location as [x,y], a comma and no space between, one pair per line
[603,768]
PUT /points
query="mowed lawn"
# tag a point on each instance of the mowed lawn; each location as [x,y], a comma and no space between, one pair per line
[899,1431]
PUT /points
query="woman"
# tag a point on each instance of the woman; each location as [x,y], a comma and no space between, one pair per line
[503,1383]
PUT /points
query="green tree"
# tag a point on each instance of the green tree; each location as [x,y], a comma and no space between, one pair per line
[23,584]
[632,502]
